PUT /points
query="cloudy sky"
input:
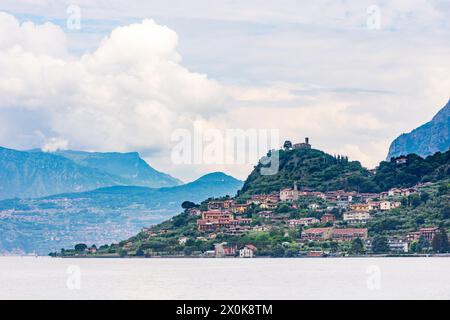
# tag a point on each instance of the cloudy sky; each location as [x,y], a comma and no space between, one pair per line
[351,75]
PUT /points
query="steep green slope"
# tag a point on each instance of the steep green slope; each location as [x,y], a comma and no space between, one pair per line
[431,169]
[316,170]
[430,208]
[312,169]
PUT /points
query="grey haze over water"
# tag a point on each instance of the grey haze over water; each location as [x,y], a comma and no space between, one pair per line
[340,278]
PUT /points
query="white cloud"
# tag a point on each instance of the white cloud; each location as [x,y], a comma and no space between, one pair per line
[46,39]
[306,68]
[127,95]
[55,144]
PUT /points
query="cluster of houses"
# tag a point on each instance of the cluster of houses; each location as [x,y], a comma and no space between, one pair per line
[337,234]
[226,216]
[213,220]
[222,250]
[359,207]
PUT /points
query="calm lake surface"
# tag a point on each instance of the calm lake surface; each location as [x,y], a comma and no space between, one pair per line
[345,278]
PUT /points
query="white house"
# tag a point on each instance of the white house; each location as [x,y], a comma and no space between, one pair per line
[302,222]
[389,205]
[356,217]
[289,194]
[248,251]
[398,244]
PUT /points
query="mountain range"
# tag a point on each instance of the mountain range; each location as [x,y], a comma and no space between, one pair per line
[31,174]
[56,199]
[425,140]
[103,215]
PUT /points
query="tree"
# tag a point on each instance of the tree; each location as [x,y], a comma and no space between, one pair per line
[80,247]
[287,145]
[445,212]
[424,197]
[443,188]
[404,201]
[123,253]
[414,200]
[440,242]
[422,244]
[140,252]
[380,244]
[284,208]
[357,246]
[188,205]
[277,251]
[413,247]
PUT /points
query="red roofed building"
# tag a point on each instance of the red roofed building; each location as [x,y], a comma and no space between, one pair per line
[349,234]
[223,249]
[220,204]
[427,233]
[317,234]
[214,219]
[328,217]
[265,214]
[248,251]
[217,214]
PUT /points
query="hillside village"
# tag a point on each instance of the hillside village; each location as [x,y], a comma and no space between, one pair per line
[336,215]
[296,221]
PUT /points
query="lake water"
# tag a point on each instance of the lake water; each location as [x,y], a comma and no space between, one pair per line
[345,278]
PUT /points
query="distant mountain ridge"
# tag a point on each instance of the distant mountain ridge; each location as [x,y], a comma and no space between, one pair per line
[33,174]
[128,166]
[427,139]
[102,215]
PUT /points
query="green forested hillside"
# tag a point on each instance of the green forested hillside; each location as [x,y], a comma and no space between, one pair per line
[314,169]
[429,207]
[431,169]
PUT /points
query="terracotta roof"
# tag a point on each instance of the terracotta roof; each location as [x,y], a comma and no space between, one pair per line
[317,230]
[349,231]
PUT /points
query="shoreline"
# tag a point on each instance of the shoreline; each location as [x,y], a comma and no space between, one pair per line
[444,255]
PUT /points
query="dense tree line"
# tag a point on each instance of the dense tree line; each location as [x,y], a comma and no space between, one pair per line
[316,170]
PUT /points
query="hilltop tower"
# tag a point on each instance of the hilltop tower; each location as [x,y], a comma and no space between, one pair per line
[304,145]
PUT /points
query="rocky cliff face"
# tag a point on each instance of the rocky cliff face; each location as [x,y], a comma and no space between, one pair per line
[427,139]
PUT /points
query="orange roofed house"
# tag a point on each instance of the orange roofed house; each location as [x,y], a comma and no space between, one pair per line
[427,233]
[317,234]
[221,204]
[349,234]
[215,219]
[328,217]
[217,214]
